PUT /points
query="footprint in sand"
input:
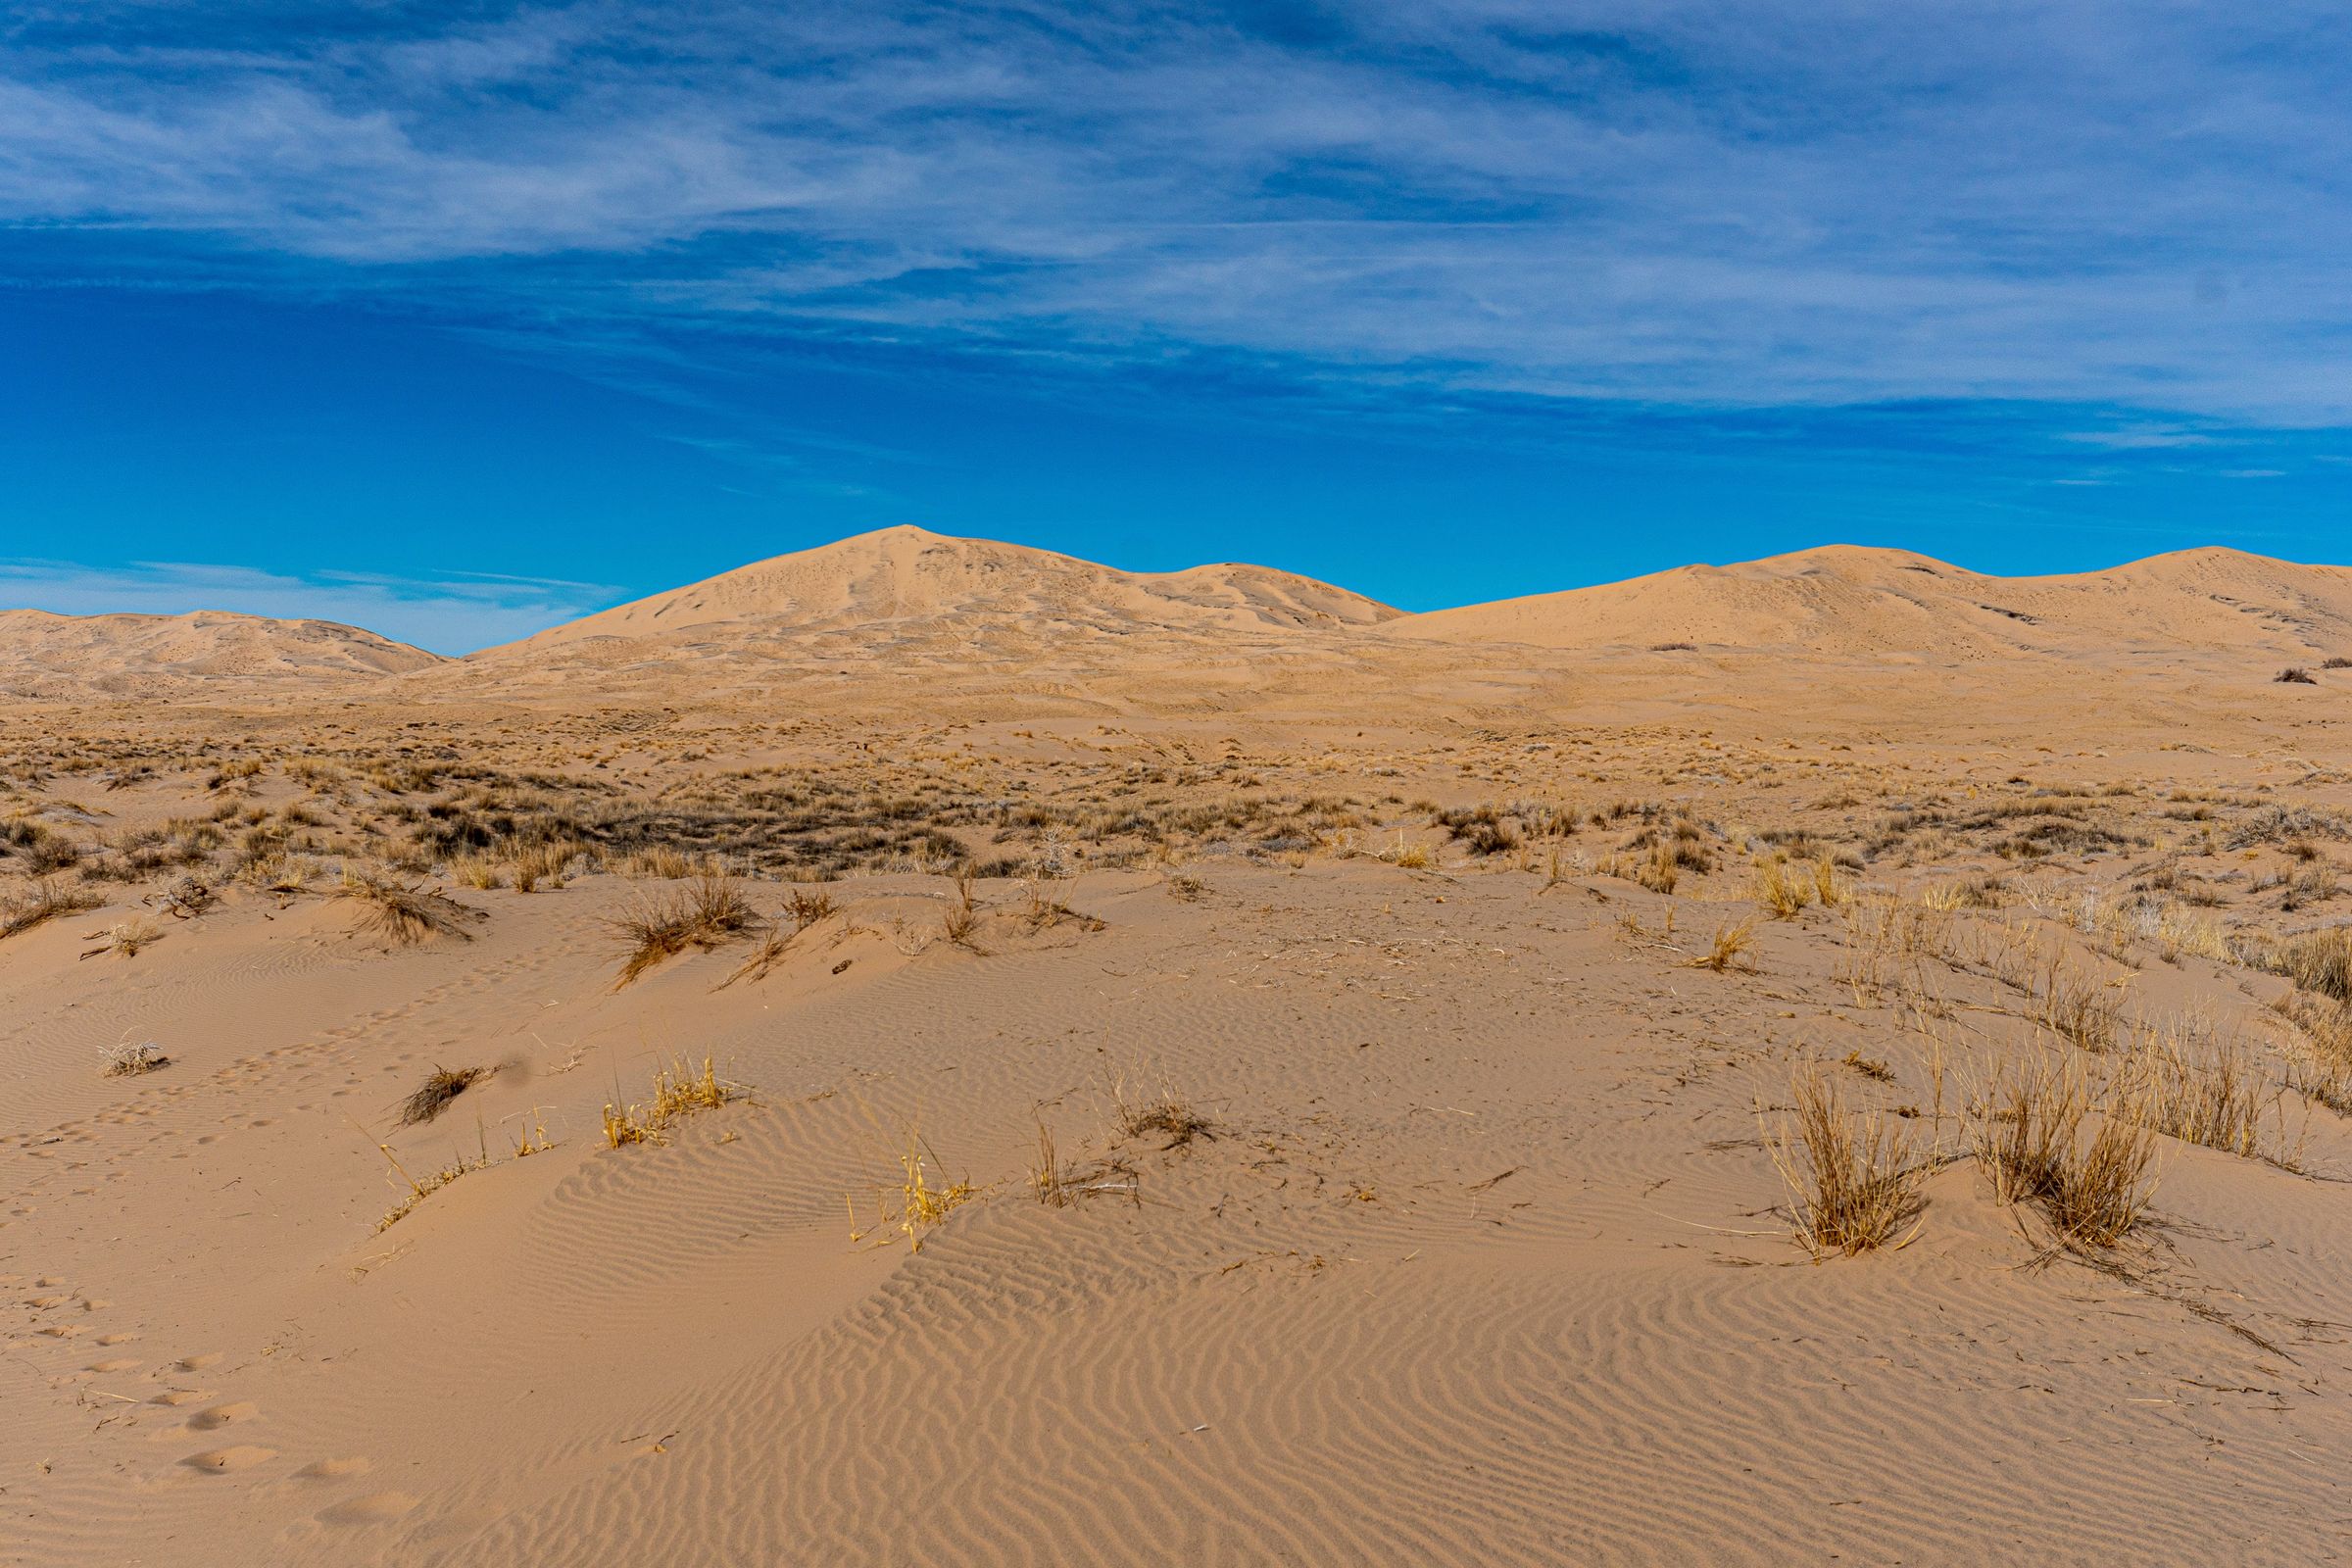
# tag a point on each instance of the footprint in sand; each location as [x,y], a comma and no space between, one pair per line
[335,1469]
[114,1339]
[197,1363]
[226,1461]
[121,1363]
[373,1510]
[220,1415]
[180,1397]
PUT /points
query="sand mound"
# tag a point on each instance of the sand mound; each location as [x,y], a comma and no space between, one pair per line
[44,654]
[902,578]
[1851,602]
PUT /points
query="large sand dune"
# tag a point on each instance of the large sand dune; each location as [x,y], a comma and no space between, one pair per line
[1851,602]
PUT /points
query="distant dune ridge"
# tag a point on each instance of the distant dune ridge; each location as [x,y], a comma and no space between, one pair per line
[905,598]
[1847,600]
[46,654]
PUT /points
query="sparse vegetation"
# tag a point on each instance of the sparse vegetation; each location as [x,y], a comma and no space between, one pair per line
[708,915]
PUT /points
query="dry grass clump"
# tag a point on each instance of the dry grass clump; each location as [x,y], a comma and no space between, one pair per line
[802,909]
[2324,1029]
[125,938]
[404,913]
[126,1059]
[1185,888]
[2212,1093]
[2320,961]
[1783,894]
[1058,1186]
[1729,950]
[478,872]
[679,1090]
[660,861]
[2030,1141]
[2296,676]
[960,926]
[441,1086]
[921,1206]
[705,915]
[1162,1111]
[1851,1175]
[547,863]
[45,902]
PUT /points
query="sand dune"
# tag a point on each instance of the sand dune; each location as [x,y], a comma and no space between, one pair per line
[1847,601]
[69,656]
[900,581]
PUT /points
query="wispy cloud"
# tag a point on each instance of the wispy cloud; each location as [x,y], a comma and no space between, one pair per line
[1682,202]
[453,614]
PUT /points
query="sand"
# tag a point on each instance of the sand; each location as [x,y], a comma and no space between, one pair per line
[1417,1195]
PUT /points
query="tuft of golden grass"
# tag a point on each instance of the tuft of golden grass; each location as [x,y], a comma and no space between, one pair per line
[1783,894]
[2028,1139]
[2211,1093]
[45,902]
[1729,950]
[441,1086]
[707,915]
[547,863]
[1851,1175]
[960,926]
[403,913]
[679,1090]
[125,938]
[1161,1111]
[921,1206]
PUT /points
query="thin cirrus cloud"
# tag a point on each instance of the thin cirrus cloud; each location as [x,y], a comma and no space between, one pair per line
[1741,204]
[453,614]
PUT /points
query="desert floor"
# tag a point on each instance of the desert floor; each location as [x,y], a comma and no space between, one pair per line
[1423,1180]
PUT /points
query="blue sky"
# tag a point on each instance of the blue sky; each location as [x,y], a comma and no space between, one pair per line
[454,321]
